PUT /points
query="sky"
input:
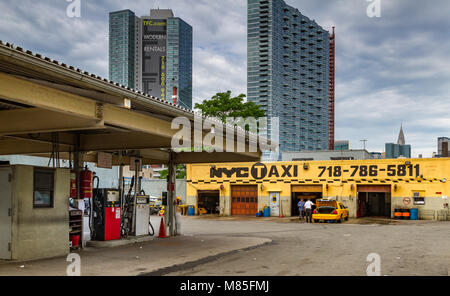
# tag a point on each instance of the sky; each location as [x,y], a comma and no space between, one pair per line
[391,70]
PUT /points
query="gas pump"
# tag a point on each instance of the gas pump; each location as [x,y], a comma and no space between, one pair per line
[142,214]
[106,214]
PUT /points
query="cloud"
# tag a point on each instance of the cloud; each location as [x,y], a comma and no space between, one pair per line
[389,70]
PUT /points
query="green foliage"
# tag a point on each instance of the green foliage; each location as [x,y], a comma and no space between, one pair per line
[181,172]
[222,105]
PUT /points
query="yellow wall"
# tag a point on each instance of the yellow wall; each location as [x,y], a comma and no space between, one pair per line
[339,179]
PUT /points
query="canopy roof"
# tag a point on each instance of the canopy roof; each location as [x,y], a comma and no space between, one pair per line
[48,106]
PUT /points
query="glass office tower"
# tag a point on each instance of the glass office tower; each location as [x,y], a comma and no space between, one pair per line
[122,36]
[288,73]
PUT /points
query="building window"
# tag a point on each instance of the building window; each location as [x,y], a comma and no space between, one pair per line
[43,188]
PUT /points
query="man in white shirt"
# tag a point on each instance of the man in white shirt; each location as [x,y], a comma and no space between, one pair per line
[308,209]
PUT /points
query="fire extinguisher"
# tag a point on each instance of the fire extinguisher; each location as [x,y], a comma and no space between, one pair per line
[73,184]
[86,183]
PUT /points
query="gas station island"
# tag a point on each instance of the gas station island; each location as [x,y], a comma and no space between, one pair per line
[56,111]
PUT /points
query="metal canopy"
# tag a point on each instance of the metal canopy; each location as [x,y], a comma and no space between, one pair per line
[46,104]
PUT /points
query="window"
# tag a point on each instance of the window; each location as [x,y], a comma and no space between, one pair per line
[43,188]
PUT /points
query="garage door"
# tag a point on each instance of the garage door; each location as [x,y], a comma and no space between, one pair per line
[374,188]
[244,200]
[306,188]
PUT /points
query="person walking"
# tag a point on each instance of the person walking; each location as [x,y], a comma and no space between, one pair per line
[308,208]
[301,209]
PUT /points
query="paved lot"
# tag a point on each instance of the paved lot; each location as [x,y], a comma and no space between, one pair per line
[151,257]
[405,247]
[267,246]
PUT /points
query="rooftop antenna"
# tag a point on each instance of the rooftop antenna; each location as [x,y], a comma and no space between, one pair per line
[364,141]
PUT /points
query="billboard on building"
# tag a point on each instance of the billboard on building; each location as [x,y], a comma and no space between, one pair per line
[154,55]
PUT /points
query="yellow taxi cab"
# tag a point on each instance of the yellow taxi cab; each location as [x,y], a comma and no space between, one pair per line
[329,210]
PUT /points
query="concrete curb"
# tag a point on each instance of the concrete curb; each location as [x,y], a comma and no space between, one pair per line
[122,242]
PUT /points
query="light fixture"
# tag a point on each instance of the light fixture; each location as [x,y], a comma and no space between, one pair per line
[222,187]
[395,187]
[262,187]
[305,166]
[127,103]
[352,187]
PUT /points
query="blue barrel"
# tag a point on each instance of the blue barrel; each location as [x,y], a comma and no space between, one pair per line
[191,211]
[414,214]
[266,212]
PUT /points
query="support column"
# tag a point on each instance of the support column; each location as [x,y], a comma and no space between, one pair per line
[121,189]
[137,168]
[76,164]
[171,199]
[77,167]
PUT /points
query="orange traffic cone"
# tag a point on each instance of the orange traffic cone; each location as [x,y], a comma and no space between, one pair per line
[162,229]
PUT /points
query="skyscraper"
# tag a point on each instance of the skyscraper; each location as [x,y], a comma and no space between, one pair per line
[179,60]
[152,54]
[289,73]
[400,149]
[443,147]
[122,48]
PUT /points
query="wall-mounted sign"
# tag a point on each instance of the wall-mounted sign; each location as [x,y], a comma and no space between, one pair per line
[154,53]
[407,201]
[260,171]
[419,201]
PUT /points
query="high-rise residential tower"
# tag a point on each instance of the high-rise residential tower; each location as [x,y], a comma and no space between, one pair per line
[289,73]
[443,146]
[179,60]
[122,48]
[152,54]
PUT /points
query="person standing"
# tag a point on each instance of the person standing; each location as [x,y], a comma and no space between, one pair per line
[308,208]
[301,209]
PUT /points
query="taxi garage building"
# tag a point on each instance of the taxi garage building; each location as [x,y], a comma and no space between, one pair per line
[366,187]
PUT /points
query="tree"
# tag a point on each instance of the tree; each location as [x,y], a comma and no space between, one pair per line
[222,105]
[181,172]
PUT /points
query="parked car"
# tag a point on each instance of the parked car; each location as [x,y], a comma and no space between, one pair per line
[329,210]
[155,205]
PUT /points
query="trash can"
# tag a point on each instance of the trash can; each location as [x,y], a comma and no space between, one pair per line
[414,214]
[75,239]
[406,214]
[266,211]
[398,214]
[191,211]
